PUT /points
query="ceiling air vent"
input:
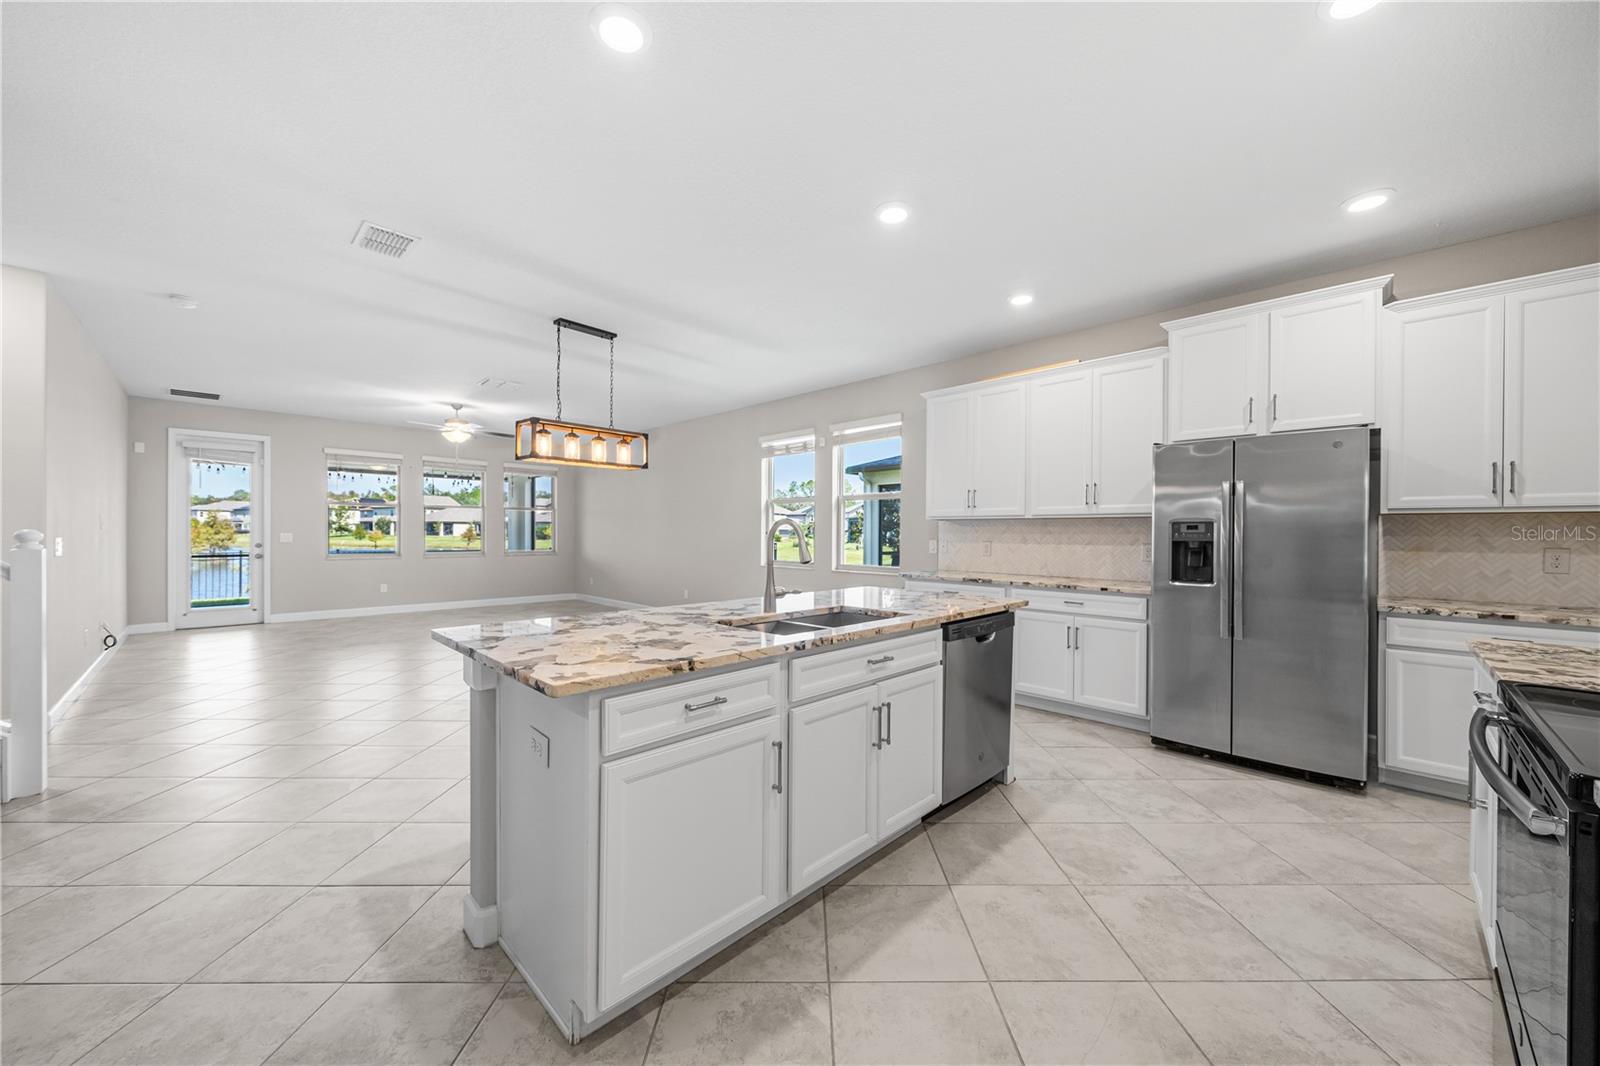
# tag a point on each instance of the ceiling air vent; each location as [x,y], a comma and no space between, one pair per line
[193,395]
[391,243]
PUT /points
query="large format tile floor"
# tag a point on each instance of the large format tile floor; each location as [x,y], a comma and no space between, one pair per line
[255,842]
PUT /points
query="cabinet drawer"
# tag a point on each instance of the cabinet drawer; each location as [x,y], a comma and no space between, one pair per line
[1083,602]
[861,664]
[1444,635]
[641,718]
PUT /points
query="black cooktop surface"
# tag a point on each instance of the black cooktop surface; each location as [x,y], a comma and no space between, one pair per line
[1568,722]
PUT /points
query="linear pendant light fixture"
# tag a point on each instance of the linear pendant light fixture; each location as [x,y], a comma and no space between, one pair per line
[565,443]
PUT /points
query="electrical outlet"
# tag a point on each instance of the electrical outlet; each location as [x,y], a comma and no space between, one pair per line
[383,588]
[933,547]
[988,548]
[60,547]
[1558,560]
[1144,553]
[285,538]
[138,447]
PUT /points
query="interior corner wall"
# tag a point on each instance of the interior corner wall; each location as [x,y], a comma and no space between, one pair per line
[688,528]
[301,576]
[60,404]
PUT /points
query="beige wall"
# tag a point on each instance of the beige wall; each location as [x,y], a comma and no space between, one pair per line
[61,472]
[301,575]
[687,529]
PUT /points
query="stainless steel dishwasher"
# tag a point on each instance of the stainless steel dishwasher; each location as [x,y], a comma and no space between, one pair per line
[977,701]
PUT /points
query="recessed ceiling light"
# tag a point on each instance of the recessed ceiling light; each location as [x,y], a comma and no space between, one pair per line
[1020,299]
[620,28]
[1339,10]
[182,302]
[1367,201]
[893,214]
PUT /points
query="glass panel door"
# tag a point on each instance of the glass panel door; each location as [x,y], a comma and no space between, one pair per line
[224,534]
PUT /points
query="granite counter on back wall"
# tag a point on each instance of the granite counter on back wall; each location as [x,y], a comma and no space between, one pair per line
[1579,617]
[567,655]
[1032,581]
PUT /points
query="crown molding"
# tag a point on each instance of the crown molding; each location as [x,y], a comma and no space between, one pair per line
[1498,288]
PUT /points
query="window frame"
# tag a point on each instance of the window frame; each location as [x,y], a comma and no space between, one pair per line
[352,456]
[797,442]
[443,467]
[506,510]
[864,431]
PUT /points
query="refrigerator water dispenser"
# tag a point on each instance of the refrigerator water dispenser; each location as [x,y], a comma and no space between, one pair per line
[1194,553]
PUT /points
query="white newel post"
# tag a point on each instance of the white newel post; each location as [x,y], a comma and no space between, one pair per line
[480,917]
[26,706]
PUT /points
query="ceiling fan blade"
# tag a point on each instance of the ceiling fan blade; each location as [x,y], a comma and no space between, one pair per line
[429,425]
[497,433]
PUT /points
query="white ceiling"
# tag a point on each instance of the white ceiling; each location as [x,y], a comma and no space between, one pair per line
[711,199]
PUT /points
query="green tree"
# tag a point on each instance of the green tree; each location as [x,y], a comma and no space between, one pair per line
[383,525]
[376,536]
[214,532]
[469,536]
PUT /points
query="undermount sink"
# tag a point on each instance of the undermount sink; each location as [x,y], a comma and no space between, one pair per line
[810,621]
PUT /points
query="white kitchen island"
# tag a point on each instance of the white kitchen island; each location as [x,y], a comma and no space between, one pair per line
[648,785]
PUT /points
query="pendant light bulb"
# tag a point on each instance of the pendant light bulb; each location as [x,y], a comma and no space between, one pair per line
[542,442]
[597,449]
[571,445]
[625,451]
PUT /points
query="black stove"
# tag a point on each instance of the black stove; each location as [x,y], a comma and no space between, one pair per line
[1547,867]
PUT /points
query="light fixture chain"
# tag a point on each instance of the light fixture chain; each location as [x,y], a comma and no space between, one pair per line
[613,410]
[558,370]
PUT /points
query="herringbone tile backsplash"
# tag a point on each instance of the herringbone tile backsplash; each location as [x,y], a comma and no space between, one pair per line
[1490,558]
[1479,558]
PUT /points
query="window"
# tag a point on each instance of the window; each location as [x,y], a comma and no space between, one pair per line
[363,504]
[868,479]
[530,512]
[452,506]
[789,490]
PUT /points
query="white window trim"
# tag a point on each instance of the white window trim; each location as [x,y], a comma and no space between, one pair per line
[447,465]
[332,455]
[793,442]
[855,433]
[522,470]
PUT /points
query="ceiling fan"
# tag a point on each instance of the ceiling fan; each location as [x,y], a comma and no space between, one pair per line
[455,429]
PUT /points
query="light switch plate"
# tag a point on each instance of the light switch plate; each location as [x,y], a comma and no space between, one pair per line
[1556,560]
[933,547]
[59,547]
[285,538]
[138,447]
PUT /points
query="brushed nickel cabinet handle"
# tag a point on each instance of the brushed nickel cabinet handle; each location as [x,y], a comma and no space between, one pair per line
[778,785]
[1511,480]
[888,722]
[1250,413]
[880,660]
[1494,478]
[695,708]
[1274,413]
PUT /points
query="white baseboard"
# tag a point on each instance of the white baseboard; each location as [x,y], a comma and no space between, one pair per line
[407,608]
[60,706]
[1092,714]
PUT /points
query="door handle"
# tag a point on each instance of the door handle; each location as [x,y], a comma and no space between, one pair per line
[1511,478]
[1224,562]
[1236,571]
[1494,478]
[778,785]
[888,722]
[1535,819]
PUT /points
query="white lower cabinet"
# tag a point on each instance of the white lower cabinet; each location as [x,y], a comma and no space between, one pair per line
[690,850]
[863,765]
[1084,658]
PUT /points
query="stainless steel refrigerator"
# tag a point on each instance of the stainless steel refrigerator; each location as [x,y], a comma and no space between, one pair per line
[1261,611]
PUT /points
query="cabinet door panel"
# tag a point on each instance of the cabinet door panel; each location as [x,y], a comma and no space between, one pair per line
[1043,655]
[1322,364]
[1427,703]
[1059,444]
[832,785]
[1109,665]
[950,459]
[1443,399]
[689,851]
[1552,381]
[999,438]
[1213,372]
[909,759]
[1129,405]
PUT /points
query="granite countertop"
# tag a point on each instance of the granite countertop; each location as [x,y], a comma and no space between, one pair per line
[565,656]
[1526,662]
[1033,581]
[1493,612]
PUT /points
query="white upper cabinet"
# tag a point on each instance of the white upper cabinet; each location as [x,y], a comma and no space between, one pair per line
[975,447]
[1059,443]
[1322,363]
[1443,365]
[1552,388]
[1307,361]
[1215,366]
[1129,407]
[1489,396]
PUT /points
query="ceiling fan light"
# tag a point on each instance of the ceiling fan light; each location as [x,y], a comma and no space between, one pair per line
[456,434]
